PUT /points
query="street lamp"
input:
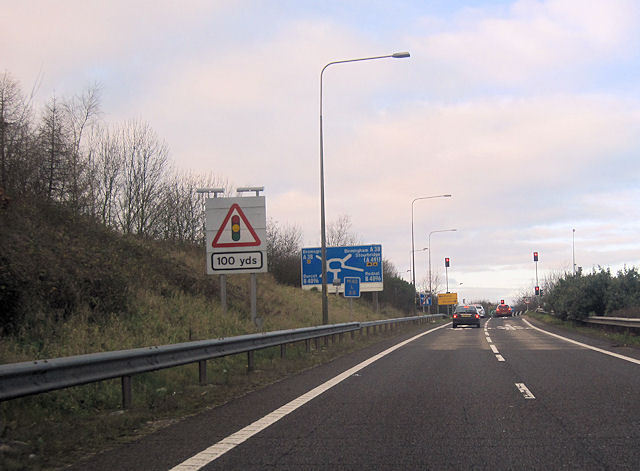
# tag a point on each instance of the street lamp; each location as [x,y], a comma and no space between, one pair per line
[433,232]
[573,251]
[323,236]
[413,258]
[413,270]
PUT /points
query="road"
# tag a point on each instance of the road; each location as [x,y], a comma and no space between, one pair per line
[504,396]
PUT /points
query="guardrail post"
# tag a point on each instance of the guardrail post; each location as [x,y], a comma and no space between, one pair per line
[353,334]
[251,364]
[126,392]
[283,350]
[202,372]
[340,337]
[316,341]
[307,345]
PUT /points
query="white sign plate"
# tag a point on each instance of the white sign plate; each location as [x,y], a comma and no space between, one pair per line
[236,235]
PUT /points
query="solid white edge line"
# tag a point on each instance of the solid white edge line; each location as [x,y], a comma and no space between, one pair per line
[215,451]
[590,347]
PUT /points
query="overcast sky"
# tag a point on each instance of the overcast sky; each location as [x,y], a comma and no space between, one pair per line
[527,112]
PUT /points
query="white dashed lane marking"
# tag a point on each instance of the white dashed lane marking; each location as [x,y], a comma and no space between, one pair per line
[494,349]
[525,391]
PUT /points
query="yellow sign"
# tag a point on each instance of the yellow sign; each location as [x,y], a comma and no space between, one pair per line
[448,298]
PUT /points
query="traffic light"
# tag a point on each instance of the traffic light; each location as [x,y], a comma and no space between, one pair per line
[535,256]
[502,301]
[235,227]
[446,262]
[537,291]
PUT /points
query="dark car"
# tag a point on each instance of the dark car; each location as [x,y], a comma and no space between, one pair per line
[466,315]
[503,310]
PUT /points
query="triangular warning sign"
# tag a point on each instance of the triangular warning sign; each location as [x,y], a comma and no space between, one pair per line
[235,230]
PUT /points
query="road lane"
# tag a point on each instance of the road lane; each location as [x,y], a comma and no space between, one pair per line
[590,395]
[442,401]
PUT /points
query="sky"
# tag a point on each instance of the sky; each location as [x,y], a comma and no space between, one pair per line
[527,112]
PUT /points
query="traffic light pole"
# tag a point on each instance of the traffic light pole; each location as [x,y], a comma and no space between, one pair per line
[446,275]
[537,290]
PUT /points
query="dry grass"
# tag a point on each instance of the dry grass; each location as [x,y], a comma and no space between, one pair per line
[74,288]
[42,432]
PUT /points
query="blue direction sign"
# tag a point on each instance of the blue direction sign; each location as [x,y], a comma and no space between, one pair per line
[351,287]
[360,261]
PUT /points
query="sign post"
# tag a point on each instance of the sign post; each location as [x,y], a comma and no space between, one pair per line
[236,233]
[351,290]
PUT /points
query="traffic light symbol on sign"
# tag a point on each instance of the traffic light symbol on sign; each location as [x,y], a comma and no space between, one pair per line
[535,256]
[446,262]
[235,227]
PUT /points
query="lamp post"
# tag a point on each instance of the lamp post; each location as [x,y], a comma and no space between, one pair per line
[429,245]
[573,251]
[413,257]
[413,270]
[413,260]
[325,299]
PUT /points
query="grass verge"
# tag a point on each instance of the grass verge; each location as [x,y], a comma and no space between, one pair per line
[53,430]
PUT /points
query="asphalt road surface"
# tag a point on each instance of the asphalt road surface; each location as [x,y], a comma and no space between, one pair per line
[505,396]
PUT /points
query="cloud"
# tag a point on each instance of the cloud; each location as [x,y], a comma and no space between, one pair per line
[521,110]
[532,44]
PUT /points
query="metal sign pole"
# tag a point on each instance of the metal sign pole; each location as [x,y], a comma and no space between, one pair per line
[223,293]
[254,290]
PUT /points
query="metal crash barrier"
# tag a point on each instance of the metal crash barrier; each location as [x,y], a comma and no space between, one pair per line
[35,377]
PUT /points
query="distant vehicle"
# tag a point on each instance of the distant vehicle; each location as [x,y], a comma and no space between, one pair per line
[504,310]
[480,310]
[466,315]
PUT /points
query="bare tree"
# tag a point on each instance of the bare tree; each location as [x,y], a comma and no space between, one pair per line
[11,106]
[437,283]
[284,243]
[53,148]
[339,233]
[145,161]
[81,112]
[107,166]
[182,214]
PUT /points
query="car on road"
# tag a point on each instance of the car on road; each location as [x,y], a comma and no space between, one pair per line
[480,310]
[504,310]
[465,315]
